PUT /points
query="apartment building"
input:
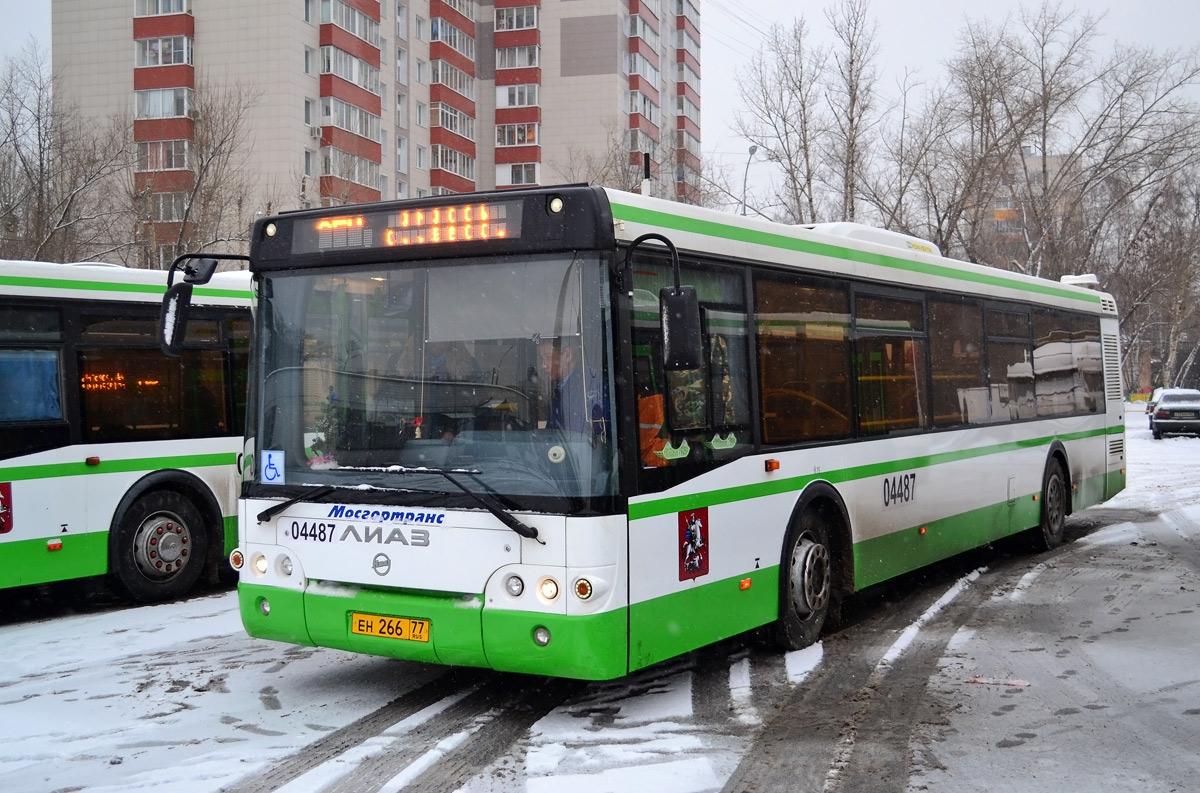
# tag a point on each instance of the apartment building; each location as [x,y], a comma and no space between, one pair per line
[345,101]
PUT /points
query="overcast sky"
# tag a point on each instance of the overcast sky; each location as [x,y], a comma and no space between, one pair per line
[915,35]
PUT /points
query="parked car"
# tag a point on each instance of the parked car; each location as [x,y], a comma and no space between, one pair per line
[1151,403]
[1177,411]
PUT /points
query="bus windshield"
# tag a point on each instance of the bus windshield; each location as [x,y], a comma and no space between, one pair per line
[496,370]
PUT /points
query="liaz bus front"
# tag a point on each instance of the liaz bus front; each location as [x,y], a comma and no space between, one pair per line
[434,471]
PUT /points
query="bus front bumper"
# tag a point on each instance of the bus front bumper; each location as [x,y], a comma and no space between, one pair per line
[461,632]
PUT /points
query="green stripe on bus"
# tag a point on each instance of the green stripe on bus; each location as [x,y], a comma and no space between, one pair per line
[727,231]
[53,470]
[111,286]
[667,506]
[666,626]
[25,562]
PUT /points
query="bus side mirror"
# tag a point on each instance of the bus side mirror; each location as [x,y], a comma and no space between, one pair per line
[679,308]
[172,320]
[199,271]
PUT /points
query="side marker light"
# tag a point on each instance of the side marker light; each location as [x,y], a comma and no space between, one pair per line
[772,465]
[744,584]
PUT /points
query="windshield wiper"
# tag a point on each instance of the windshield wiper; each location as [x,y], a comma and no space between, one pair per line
[520,527]
[311,493]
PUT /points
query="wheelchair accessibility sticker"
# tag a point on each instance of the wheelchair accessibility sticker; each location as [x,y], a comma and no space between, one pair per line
[271,466]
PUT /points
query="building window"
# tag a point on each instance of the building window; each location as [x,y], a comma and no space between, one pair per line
[517,57]
[310,60]
[402,110]
[422,157]
[452,119]
[524,173]
[351,20]
[516,134]
[422,29]
[163,103]
[454,161]
[166,207]
[308,162]
[351,69]
[351,118]
[401,189]
[422,72]
[454,78]
[520,18]
[152,8]
[401,66]
[309,107]
[401,154]
[350,167]
[464,7]
[422,114]
[642,67]
[401,20]
[517,95]
[643,105]
[452,37]
[162,155]
[169,51]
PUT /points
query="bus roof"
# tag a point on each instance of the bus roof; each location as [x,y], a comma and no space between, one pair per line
[852,250]
[102,281]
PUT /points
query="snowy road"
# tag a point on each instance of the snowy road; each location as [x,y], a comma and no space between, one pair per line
[998,671]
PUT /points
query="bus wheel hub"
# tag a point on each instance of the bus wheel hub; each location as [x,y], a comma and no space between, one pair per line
[161,546]
[809,577]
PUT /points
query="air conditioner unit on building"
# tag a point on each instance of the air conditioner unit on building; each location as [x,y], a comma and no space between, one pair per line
[314,133]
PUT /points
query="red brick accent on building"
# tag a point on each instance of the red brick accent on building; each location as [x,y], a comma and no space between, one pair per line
[441,51]
[164,181]
[169,25]
[338,188]
[331,34]
[439,136]
[518,115]
[163,129]
[683,56]
[349,142]
[150,77]
[638,83]
[441,93]
[331,85]
[517,38]
[530,74]
[511,154]
[440,178]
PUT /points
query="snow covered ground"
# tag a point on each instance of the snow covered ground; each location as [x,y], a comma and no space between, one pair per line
[176,697]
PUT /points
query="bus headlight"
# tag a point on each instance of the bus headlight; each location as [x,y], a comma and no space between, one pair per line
[260,564]
[285,565]
[514,586]
[548,588]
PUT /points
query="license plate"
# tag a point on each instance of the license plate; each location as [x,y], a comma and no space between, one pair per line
[389,627]
[1185,415]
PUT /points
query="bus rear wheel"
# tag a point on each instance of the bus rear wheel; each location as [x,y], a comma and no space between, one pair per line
[807,591]
[1049,534]
[158,548]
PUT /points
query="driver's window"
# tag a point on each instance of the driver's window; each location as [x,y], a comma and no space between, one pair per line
[698,417]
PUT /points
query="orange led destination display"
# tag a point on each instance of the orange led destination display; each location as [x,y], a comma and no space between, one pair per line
[433,225]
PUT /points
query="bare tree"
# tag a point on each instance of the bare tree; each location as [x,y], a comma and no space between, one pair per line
[53,169]
[851,98]
[781,92]
[214,201]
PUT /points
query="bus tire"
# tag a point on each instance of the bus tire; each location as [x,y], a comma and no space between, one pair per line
[808,591]
[1050,530]
[158,548]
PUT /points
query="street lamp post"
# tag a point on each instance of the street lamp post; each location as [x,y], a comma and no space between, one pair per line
[753,148]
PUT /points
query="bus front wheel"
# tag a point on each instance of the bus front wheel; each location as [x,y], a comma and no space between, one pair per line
[807,588]
[158,548]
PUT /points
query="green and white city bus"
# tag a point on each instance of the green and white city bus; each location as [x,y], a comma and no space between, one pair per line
[474,444]
[115,458]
